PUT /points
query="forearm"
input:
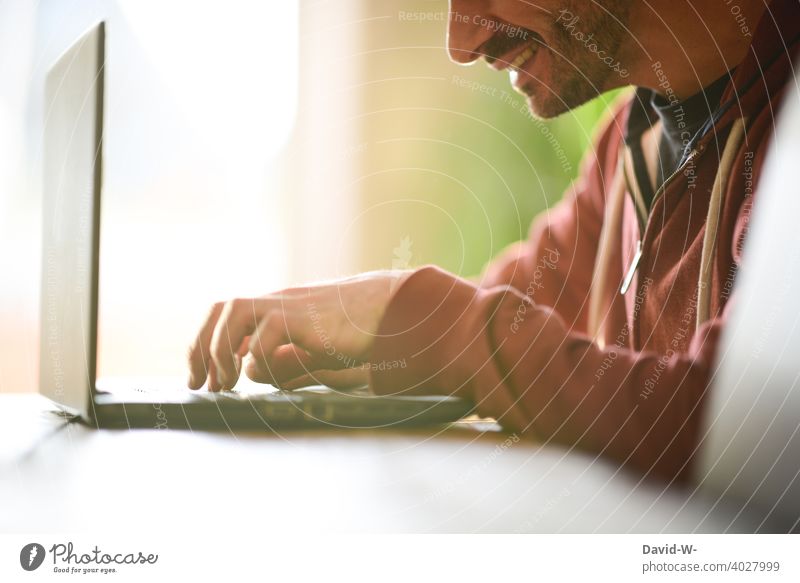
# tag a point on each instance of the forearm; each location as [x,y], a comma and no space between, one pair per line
[523,365]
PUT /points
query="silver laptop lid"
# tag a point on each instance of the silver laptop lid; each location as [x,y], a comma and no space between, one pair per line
[752,448]
[73,132]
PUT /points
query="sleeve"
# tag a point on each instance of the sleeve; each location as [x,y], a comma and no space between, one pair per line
[541,379]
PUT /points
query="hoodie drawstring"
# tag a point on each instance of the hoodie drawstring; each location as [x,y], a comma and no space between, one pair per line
[732,145]
[612,224]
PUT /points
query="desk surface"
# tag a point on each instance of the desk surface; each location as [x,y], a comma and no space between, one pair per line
[59,477]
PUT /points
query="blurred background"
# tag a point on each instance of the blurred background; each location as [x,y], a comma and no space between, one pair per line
[253,145]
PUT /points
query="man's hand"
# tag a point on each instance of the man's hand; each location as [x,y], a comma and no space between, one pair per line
[305,335]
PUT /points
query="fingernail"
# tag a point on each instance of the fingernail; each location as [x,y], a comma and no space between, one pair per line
[221,379]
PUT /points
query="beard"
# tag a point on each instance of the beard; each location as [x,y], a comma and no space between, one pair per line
[582,60]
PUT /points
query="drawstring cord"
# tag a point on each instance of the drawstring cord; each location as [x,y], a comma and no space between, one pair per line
[732,145]
[612,224]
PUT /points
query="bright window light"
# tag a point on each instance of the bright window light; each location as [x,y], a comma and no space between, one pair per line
[201,99]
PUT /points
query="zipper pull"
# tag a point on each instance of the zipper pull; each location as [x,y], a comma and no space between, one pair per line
[626,283]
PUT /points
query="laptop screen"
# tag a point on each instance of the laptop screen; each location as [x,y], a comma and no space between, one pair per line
[71,209]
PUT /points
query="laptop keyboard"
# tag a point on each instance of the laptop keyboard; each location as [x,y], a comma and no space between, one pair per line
[237,396]
[279,396]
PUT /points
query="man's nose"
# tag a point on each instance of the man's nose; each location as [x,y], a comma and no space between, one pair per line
[467,30]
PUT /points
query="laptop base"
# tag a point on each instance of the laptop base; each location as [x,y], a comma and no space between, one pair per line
[280,410]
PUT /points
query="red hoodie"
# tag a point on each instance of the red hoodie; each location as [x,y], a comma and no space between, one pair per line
[549,346]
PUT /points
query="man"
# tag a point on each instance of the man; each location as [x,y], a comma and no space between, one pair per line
[610,348]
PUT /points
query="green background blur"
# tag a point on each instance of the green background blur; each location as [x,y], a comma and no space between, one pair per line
[452,168]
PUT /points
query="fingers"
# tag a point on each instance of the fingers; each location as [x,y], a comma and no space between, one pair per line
[335,323]
[236,322]
[316,328]
[286,362]
[213,383]
[217,351]
[213,379]
[199,355]
[271,333]
[276,348]
[224,339]
[309,346]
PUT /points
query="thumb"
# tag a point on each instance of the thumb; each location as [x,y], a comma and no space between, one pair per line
[286,344]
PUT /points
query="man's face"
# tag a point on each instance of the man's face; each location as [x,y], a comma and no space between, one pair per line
[560,53]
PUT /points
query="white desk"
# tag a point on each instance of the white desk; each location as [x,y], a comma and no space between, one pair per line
[57,477]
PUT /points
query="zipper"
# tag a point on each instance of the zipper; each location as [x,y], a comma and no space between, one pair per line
[626,283]
[644,222]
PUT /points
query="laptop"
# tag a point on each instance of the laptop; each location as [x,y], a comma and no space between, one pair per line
[73,179]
